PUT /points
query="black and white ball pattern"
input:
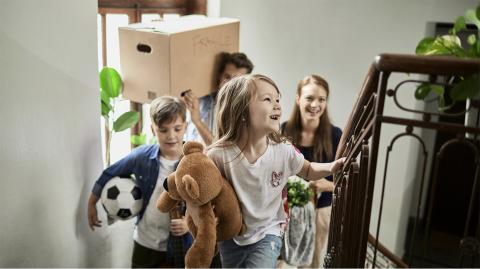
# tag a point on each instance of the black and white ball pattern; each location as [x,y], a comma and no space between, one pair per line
[122,198]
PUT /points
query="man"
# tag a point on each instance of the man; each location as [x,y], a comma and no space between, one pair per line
[201,119]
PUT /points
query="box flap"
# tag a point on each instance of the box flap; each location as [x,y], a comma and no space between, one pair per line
[180,24]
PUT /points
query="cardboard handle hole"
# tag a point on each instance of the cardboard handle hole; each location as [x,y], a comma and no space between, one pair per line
[144,48]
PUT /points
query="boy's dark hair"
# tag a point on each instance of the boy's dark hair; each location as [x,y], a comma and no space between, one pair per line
[239,59]
[166,109]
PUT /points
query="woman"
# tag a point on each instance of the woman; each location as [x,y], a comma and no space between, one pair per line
[311,131]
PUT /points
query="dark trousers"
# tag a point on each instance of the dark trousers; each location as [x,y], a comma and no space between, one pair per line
[144,257]
[216,261]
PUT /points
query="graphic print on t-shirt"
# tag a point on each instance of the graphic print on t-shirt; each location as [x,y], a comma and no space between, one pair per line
[276,178]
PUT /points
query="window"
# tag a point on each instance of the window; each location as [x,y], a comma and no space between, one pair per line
[113,14]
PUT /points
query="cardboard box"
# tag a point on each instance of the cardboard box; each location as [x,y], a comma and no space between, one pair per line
[169,57]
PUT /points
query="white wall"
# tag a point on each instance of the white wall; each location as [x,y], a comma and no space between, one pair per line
[338,40]
[50,150]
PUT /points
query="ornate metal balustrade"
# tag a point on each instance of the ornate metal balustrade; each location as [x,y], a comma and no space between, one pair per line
[350,243]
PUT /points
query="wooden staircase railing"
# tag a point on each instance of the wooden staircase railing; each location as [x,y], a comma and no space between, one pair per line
[354,186]
[386,259]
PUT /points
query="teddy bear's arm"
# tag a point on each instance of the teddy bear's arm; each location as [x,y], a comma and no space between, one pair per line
[191,226]
[201,252]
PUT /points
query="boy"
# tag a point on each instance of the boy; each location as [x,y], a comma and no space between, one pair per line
[151,164]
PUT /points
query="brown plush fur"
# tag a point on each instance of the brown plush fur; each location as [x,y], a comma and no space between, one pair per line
[211,202]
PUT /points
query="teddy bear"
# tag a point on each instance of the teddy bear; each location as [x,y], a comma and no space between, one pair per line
[213,211]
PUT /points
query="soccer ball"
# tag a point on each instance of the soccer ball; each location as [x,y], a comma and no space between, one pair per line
[121,198]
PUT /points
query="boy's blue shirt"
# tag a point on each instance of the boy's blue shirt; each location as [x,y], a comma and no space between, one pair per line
[144,164]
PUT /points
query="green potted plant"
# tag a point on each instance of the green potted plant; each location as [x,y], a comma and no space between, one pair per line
[450,45]
[110,89]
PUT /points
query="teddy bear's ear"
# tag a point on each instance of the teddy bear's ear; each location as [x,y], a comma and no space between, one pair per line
[191,186]
[192,147]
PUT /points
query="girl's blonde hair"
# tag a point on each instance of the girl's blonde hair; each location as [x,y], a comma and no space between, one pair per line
[232,108]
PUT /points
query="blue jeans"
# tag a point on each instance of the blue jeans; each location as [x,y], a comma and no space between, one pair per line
[263,254]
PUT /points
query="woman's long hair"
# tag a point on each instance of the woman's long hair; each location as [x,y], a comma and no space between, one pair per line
[322,140]
[232,112]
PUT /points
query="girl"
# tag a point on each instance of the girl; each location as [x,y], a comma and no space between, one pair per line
[311,131]
[251,155]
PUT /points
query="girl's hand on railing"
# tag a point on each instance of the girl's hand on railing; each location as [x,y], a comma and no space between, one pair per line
[337,165]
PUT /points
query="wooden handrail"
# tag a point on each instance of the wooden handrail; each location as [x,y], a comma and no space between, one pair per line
[433,65]
[385,251]
[365,93]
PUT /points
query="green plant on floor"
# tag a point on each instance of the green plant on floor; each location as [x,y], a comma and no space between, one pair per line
[468,87]
[299,193]
[110,89]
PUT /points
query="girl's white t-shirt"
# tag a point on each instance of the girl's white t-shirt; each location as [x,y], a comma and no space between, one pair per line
[259,185]
[153,229]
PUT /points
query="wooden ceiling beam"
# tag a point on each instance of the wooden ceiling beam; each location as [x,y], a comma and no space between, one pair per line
[156,6]
[142,3]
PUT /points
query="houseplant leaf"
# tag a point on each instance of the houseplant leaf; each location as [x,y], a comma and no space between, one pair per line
[104,97]
[440,91]
[110,82]
[425,88]
[459,25]
[422,91]
[442,45]
[450,43]
[467,88]
[138,139]
[125,121]
[472,17]
[471,39]
[424,45]
[105,103]
[105,109]
[472,52]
